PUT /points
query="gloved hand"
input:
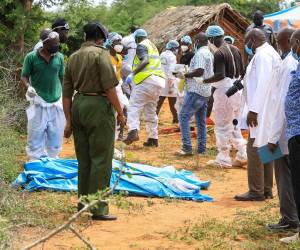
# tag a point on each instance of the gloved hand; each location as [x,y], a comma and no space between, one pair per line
[31,92]
[180,75]
[199,80]
[129,79]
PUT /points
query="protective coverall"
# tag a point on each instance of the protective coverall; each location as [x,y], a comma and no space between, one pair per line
[145,93]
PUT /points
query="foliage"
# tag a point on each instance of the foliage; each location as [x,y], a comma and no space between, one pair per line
[245,7]
[78,13]
[12,98]
[122,14]
[119,17]
[16,21]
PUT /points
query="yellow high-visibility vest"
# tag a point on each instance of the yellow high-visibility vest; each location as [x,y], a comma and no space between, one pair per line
[154,66]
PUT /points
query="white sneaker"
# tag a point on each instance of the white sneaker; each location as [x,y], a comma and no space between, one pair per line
[216,164]
[239,163]
[291,239]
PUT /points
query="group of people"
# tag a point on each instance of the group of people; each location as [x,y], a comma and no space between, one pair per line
[112,80]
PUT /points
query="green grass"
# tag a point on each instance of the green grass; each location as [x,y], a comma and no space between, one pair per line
[246,231]
[12,147]
[19,208]
[120,201]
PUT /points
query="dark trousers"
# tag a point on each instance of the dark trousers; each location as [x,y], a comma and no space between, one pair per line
[172,101]
[93,122]
[294,156]
[283,178]
[260,176]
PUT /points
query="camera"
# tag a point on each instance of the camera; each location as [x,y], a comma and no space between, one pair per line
[237,85]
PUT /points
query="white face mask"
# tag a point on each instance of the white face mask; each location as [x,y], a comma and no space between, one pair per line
[118,48]
[184,48]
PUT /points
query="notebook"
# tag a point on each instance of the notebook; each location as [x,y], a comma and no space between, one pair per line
[267,156]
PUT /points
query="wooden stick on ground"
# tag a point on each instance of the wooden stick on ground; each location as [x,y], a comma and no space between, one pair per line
[82,238]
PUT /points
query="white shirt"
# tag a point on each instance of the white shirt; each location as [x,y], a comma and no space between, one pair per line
[129,42]
[168,62]
[203,59]
[261,76]
[277,133]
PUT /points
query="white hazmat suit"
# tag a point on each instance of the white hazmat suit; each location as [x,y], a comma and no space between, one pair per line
[225,111]
[46,122]
[144,97]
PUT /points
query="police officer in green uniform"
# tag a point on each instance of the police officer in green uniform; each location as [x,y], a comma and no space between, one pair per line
[90,114]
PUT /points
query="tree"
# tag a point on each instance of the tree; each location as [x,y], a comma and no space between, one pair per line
[245,7]
[20,19]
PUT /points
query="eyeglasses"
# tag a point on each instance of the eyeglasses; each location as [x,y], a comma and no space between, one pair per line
[66,27]
[52,35]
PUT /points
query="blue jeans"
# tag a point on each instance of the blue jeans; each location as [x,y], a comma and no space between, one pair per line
[193,104]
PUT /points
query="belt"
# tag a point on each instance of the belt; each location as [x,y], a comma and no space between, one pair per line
[92,93]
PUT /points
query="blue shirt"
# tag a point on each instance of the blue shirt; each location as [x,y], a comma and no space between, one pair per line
[203,59]
[292,105]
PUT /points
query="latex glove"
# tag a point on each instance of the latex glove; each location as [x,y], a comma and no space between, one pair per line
[31,92]
[170,82]
[199,80]
[181,75]
[129,79]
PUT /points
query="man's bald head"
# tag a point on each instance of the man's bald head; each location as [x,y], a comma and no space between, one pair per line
[201,39]
[50,40]
[295,42]
[255,38]
[283,39]
[257,35]
[258,18]
[285,33]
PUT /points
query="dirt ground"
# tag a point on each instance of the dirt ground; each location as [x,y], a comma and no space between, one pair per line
[147,224]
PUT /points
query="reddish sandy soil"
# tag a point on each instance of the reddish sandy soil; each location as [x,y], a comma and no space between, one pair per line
[147,226]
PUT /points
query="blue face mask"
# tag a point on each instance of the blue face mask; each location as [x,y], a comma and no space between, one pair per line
[249,51]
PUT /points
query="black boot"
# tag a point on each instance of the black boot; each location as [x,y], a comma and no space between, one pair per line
[283,226]
[269,195]
[132,136]
[249,197]
[151,143]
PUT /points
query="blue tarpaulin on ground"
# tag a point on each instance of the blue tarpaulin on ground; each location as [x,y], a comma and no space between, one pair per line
[137,179]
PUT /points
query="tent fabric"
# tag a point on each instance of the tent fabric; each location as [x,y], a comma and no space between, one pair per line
[285,18]
[137,179]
